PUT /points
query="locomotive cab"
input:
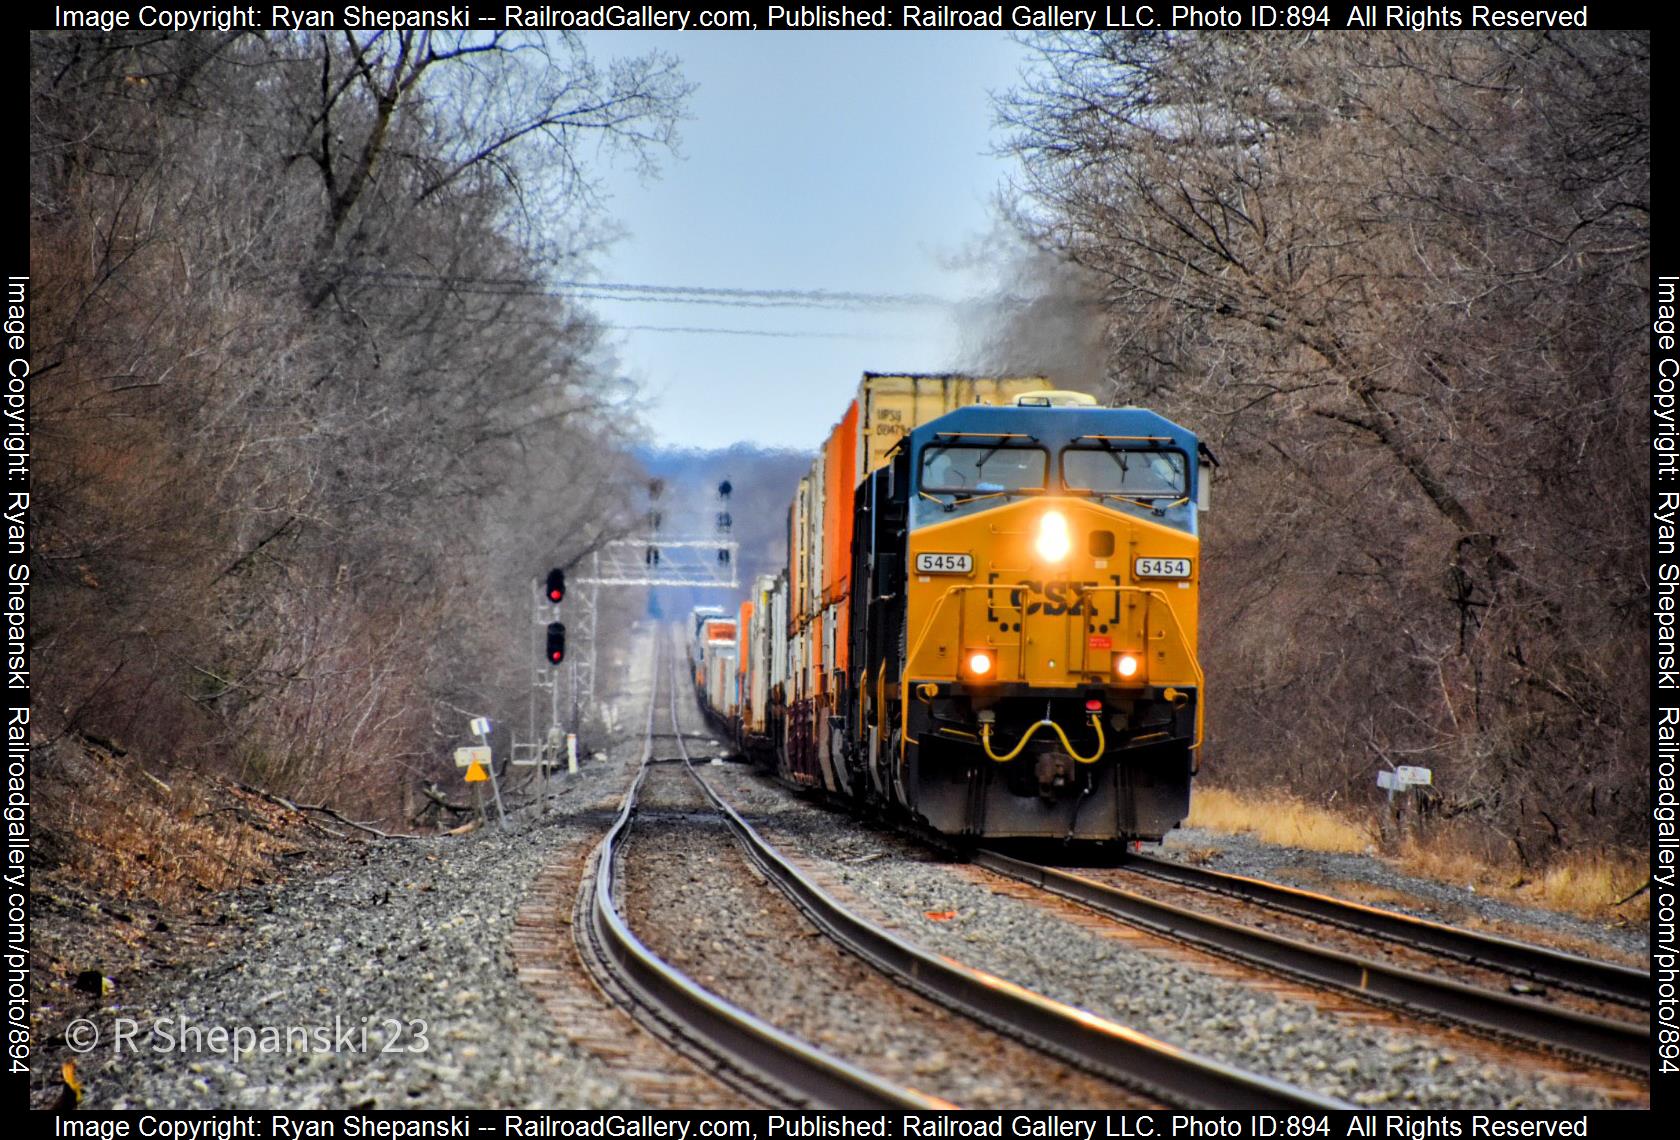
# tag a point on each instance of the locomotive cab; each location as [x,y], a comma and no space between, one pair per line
[1029,631]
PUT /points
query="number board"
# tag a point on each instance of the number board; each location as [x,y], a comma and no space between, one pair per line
[944,564]
[1162,568]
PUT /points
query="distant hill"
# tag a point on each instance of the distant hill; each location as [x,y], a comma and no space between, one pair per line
[762,484]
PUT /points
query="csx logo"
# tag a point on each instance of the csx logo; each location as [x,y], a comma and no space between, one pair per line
[1059,597]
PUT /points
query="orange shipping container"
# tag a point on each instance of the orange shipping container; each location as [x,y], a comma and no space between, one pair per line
[820,520]
[744,658]
[839,481]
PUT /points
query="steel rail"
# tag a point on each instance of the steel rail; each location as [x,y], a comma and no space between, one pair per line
[769,1060]
[1621,984]
[1618,1043]
[1173,1075]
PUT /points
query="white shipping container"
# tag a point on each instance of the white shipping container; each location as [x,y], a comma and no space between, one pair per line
[779,635]
[759,653]
[814,537]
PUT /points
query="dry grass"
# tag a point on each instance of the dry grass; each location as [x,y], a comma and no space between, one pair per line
[1596,883]
[1278,819]
[1591,884]
[133,865]
[123,834]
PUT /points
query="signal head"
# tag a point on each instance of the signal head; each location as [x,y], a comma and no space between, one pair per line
[556,585]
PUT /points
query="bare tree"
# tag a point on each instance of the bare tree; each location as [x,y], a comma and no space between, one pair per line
[308,399]
[1396,277]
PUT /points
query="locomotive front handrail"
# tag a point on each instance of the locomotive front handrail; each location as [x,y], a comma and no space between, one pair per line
[1149,593]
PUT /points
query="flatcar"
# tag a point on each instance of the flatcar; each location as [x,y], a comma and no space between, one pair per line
[988,620]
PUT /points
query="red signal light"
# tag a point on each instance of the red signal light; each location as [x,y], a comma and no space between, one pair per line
[556,584]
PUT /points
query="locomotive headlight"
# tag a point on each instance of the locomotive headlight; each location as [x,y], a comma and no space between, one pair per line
[980,663]
[1053,542]
[1126,665]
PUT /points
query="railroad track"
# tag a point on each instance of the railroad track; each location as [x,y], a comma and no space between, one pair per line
[1619,1044]
[1622,985]
[750,1054]
[775,1068]
[1104,1047]
[1093,1043]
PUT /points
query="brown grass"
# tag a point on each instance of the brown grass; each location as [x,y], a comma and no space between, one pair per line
[123,834]
[1595,884]
[1278,819]
[1590,884]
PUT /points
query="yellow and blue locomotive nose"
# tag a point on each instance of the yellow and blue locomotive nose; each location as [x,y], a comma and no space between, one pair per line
[1054,592]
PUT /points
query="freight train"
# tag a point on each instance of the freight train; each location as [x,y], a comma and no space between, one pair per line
[987,622]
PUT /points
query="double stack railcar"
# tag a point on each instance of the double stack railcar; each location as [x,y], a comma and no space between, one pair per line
[988,618]
[716,668]
[697,619]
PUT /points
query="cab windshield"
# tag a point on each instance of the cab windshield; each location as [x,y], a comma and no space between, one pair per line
[982,469]
[1136,473]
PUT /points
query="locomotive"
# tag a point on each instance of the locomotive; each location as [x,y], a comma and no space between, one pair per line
[987,623]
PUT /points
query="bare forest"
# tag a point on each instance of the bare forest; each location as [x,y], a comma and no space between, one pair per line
[1399,283]
[306,418]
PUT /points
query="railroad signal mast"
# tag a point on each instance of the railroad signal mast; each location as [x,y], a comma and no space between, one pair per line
[548,653]
[650,560]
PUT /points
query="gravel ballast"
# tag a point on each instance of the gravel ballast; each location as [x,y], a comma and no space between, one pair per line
[1345,874]
[693,898]
[389,981]
[1251,1027]
[393,975]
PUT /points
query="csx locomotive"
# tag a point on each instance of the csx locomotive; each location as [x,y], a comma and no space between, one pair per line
[987,623]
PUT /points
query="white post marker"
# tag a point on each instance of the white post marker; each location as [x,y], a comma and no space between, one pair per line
[1403,778]
[480,727]
[571,753]
[554,743]
[467,757]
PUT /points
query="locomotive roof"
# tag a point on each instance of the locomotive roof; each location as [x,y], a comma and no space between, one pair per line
[1060,425]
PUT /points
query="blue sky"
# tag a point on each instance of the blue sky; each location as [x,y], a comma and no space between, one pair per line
[842,161]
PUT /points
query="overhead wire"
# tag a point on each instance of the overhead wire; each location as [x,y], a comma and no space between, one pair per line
[717,296]
[638,291]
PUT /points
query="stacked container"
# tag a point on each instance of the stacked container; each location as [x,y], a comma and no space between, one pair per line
[820,527]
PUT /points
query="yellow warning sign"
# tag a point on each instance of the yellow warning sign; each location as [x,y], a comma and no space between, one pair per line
[477,773]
